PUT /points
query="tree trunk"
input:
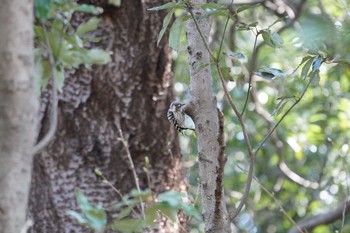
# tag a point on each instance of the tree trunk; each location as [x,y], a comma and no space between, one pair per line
[133,91]
[209,125]
[19,106]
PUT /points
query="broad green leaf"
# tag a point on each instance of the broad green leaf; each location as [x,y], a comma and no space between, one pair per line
[97,56]
[42,8]
[115,2]
[175,33]
[316,78]
[88,26]
[72,58]
[212,6]
[266,35]
[276,40]
[151,213]
[97,218]
[190,210]
[77,216]
[126,211]
[82,200]
[163,7]
[166,22]
[277,20]
[128,225]
[87,8]
[174,199]
[236,55]
[270,73]
[170,212]
[246,7]
[306,68]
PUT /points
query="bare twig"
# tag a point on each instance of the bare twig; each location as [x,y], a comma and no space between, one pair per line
[132,167]
[278,144]
[54,101]
[252,67]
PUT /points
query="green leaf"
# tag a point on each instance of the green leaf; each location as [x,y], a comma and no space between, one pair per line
[151,213]
[246,7]
[126,211]
[42,8]
[175,33]
[276,40]
[163,7]
[212,6]
[190,210]
[115,2]
[316,78]
[306,68]
[236,55]
[166,22]
[128,225]
[173,199]
[97,56]
[77,216]
[240,81]
[88,26]
[270,73]
[170,212]
[83,202]
[87,8]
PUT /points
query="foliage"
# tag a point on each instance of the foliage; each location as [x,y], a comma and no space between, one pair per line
[312,139]
[54,34]
[168,204]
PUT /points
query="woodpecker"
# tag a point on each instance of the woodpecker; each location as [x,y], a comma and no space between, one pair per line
[178,117]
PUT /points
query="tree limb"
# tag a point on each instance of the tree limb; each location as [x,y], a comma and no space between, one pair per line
[322,219]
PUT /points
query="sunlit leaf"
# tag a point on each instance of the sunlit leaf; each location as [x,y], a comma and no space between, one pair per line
[87,8]
[246,7]
[60,78]
[128,225]
[212,6]
[270,73]
[88,26]
[175,34]
[97,56]
[306,68]
[42,8]
[236,55]
[276,40]
[77,216]
[166,22]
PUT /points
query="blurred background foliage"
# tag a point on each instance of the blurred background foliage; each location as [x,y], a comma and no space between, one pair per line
[313,140]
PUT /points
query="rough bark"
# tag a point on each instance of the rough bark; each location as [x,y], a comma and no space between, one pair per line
[135,91]
[209,126]
[19,106]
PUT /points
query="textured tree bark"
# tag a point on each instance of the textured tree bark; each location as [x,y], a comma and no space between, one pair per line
[209,126]
[133,91]
[18,110]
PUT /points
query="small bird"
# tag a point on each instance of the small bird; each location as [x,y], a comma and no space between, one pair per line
[178,117]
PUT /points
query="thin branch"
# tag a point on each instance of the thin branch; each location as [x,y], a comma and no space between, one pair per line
[252,67]
[278,203]
[54,101]
[223,34]
[285,114]
[278,144]
[248,145]
[321,219]
[132,167]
